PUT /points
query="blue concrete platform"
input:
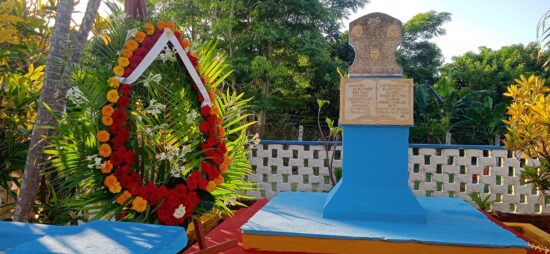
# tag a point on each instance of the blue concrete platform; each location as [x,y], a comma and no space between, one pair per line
[450,221]
[94,237]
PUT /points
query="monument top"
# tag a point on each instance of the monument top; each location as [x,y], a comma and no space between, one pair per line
[375,38]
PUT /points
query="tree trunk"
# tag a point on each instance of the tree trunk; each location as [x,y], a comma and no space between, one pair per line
[50,95]
[56,83]
[265,92]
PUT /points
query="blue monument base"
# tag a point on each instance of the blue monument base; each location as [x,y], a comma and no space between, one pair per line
[450,221]
[94,237]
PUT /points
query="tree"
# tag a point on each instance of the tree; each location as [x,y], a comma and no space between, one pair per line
[528,127]
[52,96]
[419,57]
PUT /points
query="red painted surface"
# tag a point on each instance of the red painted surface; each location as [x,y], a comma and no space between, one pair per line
[231,229]
[530,251]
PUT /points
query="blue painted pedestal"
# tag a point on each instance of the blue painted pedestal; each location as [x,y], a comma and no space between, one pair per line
[374,184]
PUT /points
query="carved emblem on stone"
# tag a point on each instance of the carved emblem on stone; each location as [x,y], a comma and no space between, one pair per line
[375,38]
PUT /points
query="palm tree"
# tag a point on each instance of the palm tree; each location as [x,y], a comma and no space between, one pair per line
[52,96]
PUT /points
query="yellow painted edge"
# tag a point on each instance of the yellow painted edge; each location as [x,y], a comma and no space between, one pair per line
[325,245]
[532,232]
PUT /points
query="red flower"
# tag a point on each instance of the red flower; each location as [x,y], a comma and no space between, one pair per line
[128,71]
[147,44]
[200,98]
[157,35]
[204,126]
[122,137]
[205,110]
[136,59]
[140,52]
[222,148]
[119,116]
[196,181]
[126,89]
[129,157]
[178,35]
[123,102]
[157,195]
[117,157]
[193,59]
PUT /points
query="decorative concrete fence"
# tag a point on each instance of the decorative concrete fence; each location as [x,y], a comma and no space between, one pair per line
[434,170]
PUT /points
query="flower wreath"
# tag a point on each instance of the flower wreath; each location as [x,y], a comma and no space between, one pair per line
[177,203]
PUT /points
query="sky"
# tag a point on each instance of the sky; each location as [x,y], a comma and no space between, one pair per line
[474,23]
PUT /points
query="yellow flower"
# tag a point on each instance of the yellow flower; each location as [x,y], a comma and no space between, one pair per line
[113,82]
[139,204]
[104,150]
[140,36]
[107,120]
[149,29]
[112,183]
[107,167]
[118,70]
[112,96]
[123,197]
[131,44]
[123,61]
[102,136]
[126,52]
[107,111]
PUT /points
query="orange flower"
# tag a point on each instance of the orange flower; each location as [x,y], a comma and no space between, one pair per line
[149,29]
[126,52]
[206,80]
[118,70]
[107,111]
[185,43]
[139,204]
[102,136]
[219,181]
[104,150]
[112,95]
[161,25]
[113,82]
[221,132]
[107,167]
[224,167]
[140,36]
[112,183]
[123,61]
[227,160]
[215,110]
[107,120]
[131,44]
[171,25]
[123,197]
[211,186]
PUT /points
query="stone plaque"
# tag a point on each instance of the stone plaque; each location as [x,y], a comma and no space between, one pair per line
[376,101]
[375,38]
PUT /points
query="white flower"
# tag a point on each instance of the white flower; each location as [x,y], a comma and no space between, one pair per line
[96,161]
[167,55]
[161,156]
[176,172]
[121,16]
[148,130]
[152,78]
[131,33]
[179,212]
[155,107]
[232,201]
[76,96]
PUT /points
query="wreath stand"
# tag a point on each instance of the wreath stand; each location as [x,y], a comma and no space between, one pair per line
[212,249]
